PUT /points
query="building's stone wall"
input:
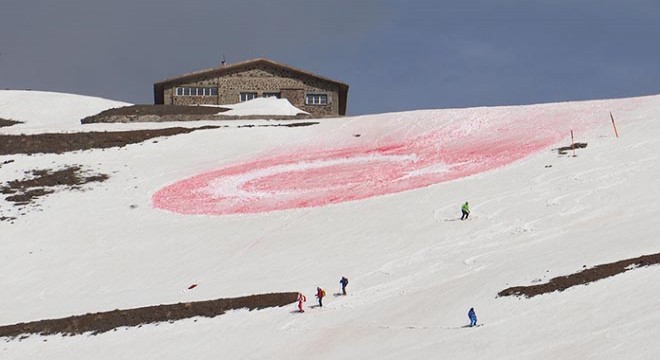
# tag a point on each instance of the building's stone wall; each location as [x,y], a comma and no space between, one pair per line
[261,79]
[295,97]
[195,100]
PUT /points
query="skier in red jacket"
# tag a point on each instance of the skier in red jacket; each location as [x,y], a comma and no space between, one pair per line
[301,302]
[320,293]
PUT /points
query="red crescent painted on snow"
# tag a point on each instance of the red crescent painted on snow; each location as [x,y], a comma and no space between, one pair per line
[330,177]
[315,178]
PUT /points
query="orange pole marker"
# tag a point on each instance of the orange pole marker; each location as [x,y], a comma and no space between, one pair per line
[614,125]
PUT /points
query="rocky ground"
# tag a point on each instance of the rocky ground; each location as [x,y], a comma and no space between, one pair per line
[564,149]
[64,142]
[5,122]
[111,320]
[583,277]
[38,183]
[43,182]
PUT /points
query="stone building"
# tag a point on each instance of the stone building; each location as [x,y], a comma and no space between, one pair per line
[247,80]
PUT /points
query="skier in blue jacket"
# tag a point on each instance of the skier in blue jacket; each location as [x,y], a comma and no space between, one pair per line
[344,283]
[473,317]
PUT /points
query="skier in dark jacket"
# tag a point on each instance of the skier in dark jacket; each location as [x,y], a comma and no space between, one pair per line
[344,283]
[473,317]
[465,209]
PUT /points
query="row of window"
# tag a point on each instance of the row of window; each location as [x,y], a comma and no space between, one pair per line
[197,91]
[316,99]
[245,96]
[310,99]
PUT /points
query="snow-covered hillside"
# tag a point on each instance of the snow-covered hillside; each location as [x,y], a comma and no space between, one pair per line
[249,210]
[49,111]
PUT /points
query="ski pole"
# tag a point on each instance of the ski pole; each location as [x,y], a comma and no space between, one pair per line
[572,143]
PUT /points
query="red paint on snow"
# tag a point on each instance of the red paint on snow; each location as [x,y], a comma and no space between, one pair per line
[330,176]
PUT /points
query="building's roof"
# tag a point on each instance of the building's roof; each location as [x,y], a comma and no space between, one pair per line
[220,70]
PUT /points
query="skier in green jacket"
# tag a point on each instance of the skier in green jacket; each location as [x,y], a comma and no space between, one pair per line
[465,209]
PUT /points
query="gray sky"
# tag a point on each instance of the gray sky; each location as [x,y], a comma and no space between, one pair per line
[394,54]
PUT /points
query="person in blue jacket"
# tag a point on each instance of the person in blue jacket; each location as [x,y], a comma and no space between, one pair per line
[473,317]
[344,283]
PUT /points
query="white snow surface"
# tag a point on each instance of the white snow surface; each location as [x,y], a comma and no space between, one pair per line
[41,110]
[413,275]
[270,106]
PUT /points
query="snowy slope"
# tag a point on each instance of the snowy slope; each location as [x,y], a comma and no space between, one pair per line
[263,106]
[40,110]
[321,204]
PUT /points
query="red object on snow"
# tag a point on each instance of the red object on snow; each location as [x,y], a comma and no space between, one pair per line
[335,175]
[192,286]
[301,302]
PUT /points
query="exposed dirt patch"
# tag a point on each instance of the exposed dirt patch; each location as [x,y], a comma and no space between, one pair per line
[60,143]
[27,196]
[5,122]
[43,182]
[105,321]
[160,110]
[159,113]
[583,277]
[564,149]
[297,124]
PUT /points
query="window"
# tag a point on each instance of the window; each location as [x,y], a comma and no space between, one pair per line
[272,94]
[316,99]
[196,91]
[245,96]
